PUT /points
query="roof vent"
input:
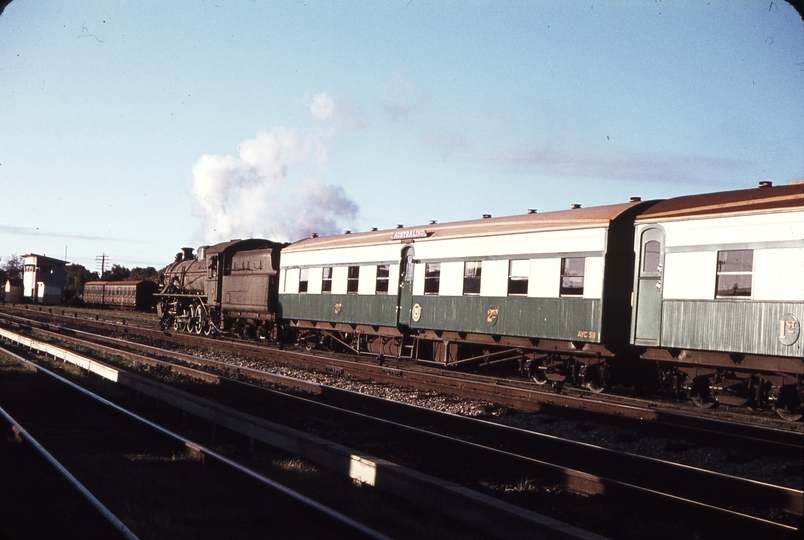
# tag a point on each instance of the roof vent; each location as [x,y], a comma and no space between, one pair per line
[374,228]
[635,199]
[765,183]
[575,206]
[399,225]
[486,216]
[314,235]
[433,222]
[531,210]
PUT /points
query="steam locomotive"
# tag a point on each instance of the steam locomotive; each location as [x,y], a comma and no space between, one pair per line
[702,295]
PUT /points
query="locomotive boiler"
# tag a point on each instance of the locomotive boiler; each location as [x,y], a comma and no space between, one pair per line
[226,287]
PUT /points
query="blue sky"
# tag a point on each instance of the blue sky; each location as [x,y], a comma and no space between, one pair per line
[136,128]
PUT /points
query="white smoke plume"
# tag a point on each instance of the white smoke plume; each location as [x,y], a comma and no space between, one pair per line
[253,194]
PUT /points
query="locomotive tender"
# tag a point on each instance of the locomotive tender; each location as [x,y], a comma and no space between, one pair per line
[701,294]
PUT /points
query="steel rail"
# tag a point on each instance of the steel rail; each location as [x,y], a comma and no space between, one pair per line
[72,480]
[579,481]
[200,449]
[461,503]
[500,392]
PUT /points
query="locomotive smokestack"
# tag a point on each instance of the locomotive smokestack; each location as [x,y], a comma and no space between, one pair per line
[187,253]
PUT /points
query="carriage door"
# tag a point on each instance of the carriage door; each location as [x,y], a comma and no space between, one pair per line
[648,310]
[405,285]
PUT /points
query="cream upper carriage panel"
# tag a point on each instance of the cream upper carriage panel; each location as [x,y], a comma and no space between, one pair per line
[314,256]
[542,250]
[692,243]
[541,238]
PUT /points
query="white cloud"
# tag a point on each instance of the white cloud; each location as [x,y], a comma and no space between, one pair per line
[322,106]
[265,192]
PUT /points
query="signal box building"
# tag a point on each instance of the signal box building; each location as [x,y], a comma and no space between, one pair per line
[13,291]
[43,279]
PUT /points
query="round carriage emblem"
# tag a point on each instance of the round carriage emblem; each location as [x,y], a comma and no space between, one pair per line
[416,312]
[789,329]
[492,314]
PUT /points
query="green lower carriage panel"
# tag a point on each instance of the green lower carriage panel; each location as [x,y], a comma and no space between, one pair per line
[374,310]
[568,319]
[744,326]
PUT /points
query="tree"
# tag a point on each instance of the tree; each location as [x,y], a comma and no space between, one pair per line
[12,268]
[148,273]
[117,273]
[76,277]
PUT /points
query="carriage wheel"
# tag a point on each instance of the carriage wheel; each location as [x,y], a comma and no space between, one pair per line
[596,386]
[788,413]
[702,394]
[787,404]
[596,377]
[539,376]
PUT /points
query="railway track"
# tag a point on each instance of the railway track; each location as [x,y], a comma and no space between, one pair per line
[156,482]
[33,480]
[775,438]
[488,447]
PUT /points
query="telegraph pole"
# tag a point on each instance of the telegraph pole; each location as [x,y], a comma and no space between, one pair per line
[101,260]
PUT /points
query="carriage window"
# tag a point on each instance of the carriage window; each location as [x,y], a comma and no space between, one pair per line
[572,271]
[651,256]
[471,277]
[432,278]
[518,271]
[353,279]
[303,279]
[326,280]
[734,272]
[383,274]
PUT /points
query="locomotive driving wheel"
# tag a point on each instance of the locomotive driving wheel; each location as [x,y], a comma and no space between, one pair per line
[176,324]
[197,319]
[180,322]
[207,327]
